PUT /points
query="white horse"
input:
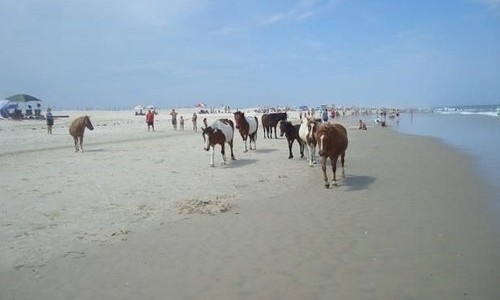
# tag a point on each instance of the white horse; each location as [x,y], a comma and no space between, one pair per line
[220,132]
[307,134]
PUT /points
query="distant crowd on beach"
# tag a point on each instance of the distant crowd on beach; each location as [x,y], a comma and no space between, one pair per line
[324,114]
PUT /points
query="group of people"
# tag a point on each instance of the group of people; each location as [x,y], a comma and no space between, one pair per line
[150,118]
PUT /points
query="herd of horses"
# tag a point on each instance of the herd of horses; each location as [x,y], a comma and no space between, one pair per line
[330,139]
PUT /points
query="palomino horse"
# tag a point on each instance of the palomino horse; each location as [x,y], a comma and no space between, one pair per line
[332,143]
[270,121]
[221,132]
[247,127]
[77,129]
[292,133]
[307,133]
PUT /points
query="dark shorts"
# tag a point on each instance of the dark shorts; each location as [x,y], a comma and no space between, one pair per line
[150,123]
[50,122]
[174,121]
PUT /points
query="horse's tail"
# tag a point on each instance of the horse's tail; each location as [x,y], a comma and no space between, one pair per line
[256,126]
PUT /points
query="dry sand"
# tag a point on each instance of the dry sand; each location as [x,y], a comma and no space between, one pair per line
[124,219]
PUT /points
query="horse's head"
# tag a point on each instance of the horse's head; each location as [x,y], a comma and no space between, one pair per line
[320,134]
[312,125]
[207,134]
[88,124]
[238,117]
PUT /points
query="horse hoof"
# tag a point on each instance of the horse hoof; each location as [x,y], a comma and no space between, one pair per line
[212,165]
[327,186]
[290,157]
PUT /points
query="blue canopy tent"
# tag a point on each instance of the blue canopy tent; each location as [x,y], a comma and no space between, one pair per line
[6,106]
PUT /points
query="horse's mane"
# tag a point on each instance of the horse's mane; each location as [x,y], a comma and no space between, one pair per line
[285,124]
[330,128]
[325,129]
[80,121]
[78,125]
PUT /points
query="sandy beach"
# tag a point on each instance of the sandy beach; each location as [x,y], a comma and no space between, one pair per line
[410,220]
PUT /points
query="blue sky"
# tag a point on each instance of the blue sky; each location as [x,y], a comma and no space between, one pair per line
[244,53]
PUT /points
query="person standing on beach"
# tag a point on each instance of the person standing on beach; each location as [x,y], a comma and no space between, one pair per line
[194,119]
[181,122]
[150,119]
[173,113]
[50,120]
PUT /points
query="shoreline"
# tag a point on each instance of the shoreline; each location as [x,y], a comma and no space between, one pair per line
[401,212]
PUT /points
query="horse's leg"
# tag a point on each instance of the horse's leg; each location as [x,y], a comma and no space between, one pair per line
[314,154]
[264,130]
[254,139]
[212,150]
[244,137]
[323,168]
[81,143]
[231,147]
[310,151]
[301,147]
[342,160]
[333,159]
[223,152]
[290,144]
[275,134]
[75,140]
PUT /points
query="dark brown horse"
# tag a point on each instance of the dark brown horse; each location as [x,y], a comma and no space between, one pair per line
[270,121]
[248,128]
[292,133]
[332,143]
[77,128]
[219,133]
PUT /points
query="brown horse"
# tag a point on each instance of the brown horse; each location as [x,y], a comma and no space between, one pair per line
[77,129]
[248,128]
[270,121]
[332,143]
[292,133]
[220,133]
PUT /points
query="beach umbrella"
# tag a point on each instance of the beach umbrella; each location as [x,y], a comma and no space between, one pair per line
[23,98]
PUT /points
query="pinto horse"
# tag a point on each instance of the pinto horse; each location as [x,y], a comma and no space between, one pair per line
[219,133]
[270,121]
[292,133]
[307,133]
[248,128]
[332,143]
[77,128]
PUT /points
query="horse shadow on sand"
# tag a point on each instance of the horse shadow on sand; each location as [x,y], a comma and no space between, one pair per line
[357,183]
[264,150]
[94,150]
[239,162]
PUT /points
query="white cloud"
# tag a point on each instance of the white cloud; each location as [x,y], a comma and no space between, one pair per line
[492,4]
[302,10]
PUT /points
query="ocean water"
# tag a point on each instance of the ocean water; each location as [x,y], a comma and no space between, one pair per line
[473,130]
